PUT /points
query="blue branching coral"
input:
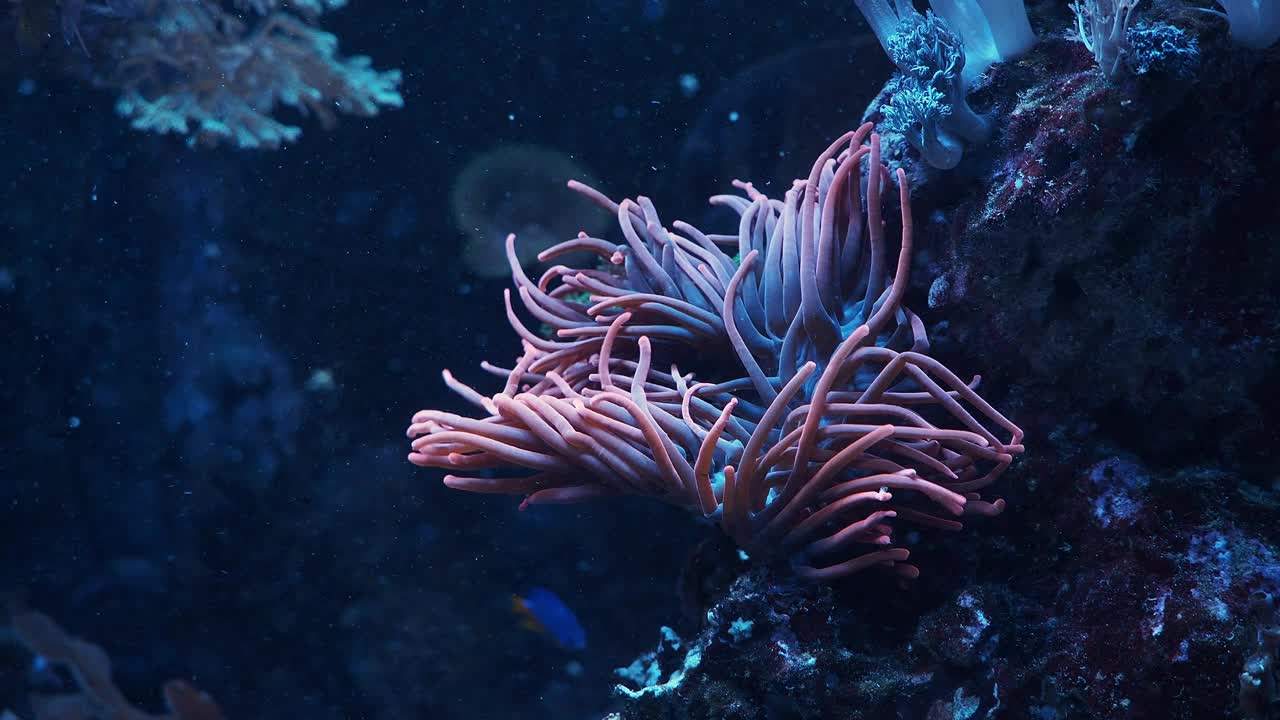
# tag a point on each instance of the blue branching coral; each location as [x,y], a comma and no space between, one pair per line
[928,104]
[218,71]
[938,56]
[1161,47]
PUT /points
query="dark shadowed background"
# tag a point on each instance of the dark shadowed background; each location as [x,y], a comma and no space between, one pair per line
[209,356]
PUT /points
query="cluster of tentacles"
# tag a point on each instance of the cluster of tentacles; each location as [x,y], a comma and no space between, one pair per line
[813,419]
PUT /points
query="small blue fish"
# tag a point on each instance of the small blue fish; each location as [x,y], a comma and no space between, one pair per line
[543,612]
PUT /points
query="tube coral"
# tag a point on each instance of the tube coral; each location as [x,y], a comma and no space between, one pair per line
[814,420]
[1103,27]
[928,103]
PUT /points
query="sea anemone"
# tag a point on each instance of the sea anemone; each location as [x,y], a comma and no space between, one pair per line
[812,421]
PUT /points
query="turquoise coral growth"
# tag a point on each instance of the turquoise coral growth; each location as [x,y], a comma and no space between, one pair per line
[938,56]
[990,31]
[1161,47]
[928,105]
[219,73]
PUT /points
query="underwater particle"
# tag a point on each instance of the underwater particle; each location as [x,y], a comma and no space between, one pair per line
[519,189]
[321,380]
[8,283]
[654,10]
[73,422]
[689,84]
[733,116]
